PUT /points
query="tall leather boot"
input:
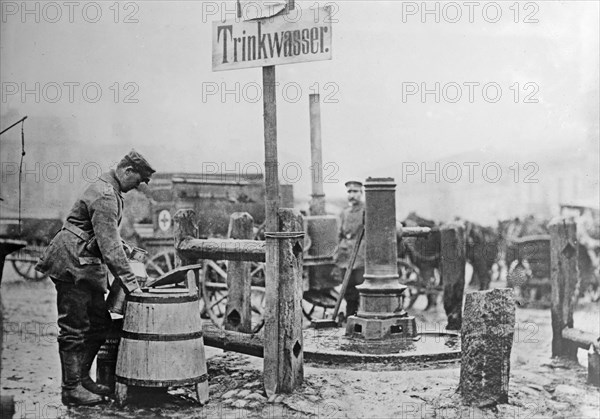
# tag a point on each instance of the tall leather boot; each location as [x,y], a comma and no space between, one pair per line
[73,393]
[90,352]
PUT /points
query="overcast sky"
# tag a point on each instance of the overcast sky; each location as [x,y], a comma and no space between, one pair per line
[380,49]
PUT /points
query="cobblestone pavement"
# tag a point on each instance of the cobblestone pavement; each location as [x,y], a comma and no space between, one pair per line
[539,388]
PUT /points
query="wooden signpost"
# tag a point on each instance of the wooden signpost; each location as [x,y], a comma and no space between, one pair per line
[266,42]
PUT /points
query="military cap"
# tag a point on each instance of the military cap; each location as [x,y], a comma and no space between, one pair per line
[140,165]
[354,184]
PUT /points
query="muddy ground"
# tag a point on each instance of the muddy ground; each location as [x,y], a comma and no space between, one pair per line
[540,387]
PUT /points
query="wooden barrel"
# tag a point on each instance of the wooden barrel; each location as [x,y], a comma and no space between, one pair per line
[161,342]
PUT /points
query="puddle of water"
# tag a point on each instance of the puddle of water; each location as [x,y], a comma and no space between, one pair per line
[422,344]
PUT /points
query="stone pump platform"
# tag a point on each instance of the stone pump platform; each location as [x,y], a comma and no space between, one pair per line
[330,347]
[381,333]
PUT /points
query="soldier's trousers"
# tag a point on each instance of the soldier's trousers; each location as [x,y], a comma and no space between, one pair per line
[82,316]
[352,295]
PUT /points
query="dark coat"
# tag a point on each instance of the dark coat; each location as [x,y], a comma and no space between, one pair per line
[89,241]
[351,220]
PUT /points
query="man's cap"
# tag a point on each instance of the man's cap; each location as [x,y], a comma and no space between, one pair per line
[140,165]
[354,184]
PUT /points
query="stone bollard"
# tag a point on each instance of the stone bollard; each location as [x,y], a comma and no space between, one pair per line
[487,338]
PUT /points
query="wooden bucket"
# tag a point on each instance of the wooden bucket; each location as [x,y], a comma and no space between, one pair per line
[106,362]
[161,342]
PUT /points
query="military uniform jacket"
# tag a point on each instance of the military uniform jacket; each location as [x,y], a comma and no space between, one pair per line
[89,241]
[351,220]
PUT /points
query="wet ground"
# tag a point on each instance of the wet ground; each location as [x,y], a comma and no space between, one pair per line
[540,387]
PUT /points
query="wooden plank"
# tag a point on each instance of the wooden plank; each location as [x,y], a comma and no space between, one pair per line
[415,231]
[244,343]
[222,249]
[580,338]
[175,276]
[238,314]
[564,274]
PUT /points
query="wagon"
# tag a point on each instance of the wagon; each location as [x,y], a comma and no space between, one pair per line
[214,197]
[587,216]
[37,233]
[528,259]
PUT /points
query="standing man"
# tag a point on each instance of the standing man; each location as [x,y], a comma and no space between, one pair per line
[77,260]
[352,220]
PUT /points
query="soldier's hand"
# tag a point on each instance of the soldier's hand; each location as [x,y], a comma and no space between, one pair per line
[128,249]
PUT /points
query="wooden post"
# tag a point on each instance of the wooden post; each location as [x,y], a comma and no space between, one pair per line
[238,315]
[564,275]
[486,343]
[283,353]
[452,270]
[271,164]
[184,227]
[594,364]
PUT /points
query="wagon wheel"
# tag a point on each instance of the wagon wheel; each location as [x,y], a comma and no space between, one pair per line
[214,295]
[27,271]
[319,303]
[24,263]
[257,273]
[160,264]
[410,275]
[519,274]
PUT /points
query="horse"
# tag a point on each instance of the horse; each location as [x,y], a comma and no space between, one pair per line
[422,256]
[482,252]
[424,253]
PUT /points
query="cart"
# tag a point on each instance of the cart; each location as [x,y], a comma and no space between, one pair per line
[214,197]
[37,233]
[587,217]
[528,259]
